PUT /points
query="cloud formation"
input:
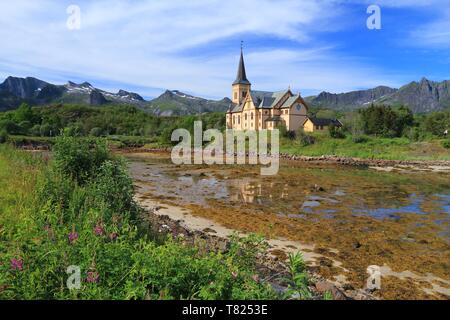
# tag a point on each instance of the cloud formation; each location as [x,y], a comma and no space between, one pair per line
[189,45]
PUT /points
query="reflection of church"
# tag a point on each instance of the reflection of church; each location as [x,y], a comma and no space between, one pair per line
[251,192]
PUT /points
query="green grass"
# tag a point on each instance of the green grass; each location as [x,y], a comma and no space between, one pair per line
[89,194]
[374,147]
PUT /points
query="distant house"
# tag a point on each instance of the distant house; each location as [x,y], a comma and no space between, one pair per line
[319,124]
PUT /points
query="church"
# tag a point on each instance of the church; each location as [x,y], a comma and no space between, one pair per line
[258,110]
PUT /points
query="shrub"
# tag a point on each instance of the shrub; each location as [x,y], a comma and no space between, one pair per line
[335,132]
[89,226]
[35,130]
[3,136]
[96,132]
[446,144]
[360,139]
[305,139]
[79,158]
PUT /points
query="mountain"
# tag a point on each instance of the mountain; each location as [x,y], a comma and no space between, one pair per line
[350,100]
[423,96]
[178,103]
[14,91]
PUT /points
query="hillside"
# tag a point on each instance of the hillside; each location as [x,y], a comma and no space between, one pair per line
[420,97]
[178,103]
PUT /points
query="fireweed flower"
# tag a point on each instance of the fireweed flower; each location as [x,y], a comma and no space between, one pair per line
[92,277]
[16,264]
[113,236]
[99,231]
[73,236]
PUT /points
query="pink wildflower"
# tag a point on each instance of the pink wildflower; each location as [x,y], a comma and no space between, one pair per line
[99,231]
[73,236]
[16,264]
[92,277]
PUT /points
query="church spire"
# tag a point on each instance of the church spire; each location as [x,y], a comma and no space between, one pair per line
[241,77]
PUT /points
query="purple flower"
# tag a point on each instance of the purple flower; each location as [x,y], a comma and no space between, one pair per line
[16,264]
[99,231]
[92,277]
[113,236]
[73,236]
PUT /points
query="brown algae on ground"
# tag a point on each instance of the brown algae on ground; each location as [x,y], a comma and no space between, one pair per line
[359,217]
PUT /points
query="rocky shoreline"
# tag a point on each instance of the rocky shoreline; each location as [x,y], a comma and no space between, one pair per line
[271,268]
[334,160]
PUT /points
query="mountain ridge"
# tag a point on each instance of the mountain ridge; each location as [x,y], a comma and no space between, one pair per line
[421,96]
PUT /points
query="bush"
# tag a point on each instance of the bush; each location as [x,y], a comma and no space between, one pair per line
[35,130]
[63,228]
[360,139]
[446,144]
[335,132]
[79,158]
[3,136]
[304,138]
[96,132]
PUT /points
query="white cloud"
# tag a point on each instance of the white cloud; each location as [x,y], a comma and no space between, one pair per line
[145,44]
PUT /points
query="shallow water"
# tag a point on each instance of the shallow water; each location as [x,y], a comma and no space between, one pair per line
[360,217]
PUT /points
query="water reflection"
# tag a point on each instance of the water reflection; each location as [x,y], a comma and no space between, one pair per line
[345,193]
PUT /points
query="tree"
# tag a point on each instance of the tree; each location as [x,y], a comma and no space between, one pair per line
[24,113]
[383,120]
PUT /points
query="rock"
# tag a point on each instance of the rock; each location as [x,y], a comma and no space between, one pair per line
[317,188]
[209,230]
[325,286]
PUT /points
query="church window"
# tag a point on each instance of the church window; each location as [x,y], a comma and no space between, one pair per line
[239,119]
[245,117]
[234,119]
[251,115]
[235,95]
[244,94]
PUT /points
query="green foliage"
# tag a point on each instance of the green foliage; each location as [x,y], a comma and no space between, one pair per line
[360,139]
[78,158]
[50,222]
[383,120]
[335,132]
[96,132]
[437,122]
[446,144]
[304,138]
[298,278]
[3,136]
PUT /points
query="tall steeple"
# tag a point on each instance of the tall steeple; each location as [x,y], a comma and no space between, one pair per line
[241,86]
[241,77]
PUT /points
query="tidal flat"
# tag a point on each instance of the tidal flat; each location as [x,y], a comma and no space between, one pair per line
[343,218]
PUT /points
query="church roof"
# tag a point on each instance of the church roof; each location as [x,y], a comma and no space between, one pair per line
[241,77]
[267,100]
[324,121]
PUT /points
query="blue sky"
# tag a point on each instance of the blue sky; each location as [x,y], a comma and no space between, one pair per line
[193,46]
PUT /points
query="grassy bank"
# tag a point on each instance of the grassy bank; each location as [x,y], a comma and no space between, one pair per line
[78,210]
[368,147]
